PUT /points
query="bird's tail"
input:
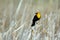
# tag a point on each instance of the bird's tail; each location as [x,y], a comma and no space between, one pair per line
[33,24]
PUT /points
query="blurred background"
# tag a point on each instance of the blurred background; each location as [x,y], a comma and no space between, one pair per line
[16,17]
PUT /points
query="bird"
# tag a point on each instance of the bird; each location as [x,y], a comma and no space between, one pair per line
[36,18]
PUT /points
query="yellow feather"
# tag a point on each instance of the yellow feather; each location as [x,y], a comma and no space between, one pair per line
[38,15]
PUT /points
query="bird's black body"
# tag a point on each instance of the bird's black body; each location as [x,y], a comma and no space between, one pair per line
[34,20]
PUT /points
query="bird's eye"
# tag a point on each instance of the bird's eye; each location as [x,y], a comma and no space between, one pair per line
[35,13]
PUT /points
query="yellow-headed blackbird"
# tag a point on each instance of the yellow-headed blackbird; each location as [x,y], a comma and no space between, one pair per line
[36,18]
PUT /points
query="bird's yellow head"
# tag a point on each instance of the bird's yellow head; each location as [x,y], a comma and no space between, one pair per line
[38,14]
